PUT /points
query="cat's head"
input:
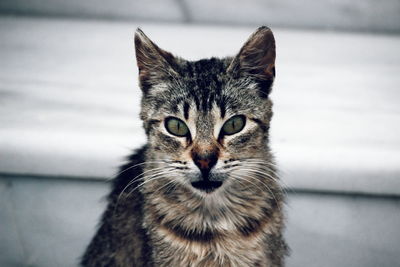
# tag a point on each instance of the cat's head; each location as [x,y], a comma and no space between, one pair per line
[207,121]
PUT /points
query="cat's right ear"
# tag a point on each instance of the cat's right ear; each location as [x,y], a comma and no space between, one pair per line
[154,63]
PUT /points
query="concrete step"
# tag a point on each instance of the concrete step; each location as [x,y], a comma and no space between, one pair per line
[70,100]
[49,222]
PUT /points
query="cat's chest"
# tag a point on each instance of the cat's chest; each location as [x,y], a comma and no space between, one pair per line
[172,250]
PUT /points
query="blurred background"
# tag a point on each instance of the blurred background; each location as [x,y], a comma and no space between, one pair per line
[69,104]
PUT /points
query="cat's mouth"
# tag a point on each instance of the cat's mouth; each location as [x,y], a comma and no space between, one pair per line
[207,186]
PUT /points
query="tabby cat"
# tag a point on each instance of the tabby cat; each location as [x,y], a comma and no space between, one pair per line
[204,190]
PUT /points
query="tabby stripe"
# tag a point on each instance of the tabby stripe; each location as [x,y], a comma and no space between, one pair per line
[263,126]
[186,107]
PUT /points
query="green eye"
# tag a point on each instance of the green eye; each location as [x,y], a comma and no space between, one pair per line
[176,127]
[234,125]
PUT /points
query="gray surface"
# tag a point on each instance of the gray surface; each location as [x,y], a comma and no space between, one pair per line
[365,15]
[48,222]
[160,10]
[70,101]
[337,230]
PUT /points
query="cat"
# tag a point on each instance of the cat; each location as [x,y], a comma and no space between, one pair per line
[203,191]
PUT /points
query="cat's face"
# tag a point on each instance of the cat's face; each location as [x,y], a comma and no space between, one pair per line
[207,121]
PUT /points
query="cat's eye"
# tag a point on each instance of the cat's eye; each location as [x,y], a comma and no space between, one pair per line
[233,125]
[176,127]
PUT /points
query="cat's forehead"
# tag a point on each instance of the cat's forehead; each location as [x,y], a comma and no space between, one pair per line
[205,86]
[203,79]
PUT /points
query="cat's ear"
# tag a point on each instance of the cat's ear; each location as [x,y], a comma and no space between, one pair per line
[257,59]
[155,64]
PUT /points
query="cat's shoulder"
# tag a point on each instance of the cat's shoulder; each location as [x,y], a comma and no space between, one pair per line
[130,171]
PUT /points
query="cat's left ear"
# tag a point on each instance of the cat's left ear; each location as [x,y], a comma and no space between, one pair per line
[155,64]
[257,59]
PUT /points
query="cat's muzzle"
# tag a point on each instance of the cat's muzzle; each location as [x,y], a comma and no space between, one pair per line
[208,182]
[206,185]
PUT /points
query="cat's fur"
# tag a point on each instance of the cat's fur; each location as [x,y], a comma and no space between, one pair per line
[155,216]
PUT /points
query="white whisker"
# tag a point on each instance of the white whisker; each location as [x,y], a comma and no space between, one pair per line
[157,171]
[269,189]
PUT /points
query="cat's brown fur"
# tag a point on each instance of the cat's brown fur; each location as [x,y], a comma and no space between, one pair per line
[208,198]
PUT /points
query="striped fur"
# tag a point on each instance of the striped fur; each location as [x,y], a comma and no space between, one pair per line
[156,216]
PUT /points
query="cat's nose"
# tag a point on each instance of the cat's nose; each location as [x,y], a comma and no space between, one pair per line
[205,162]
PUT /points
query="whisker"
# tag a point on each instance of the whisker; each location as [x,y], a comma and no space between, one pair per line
[260,172]
[272,193]
[285,187]
[258,160]
[150,178]
[240,179]
[274,170]
[136,165]
[140,175]
[136,178]
[245,168]
[252,161]
[142,163]
[167,184]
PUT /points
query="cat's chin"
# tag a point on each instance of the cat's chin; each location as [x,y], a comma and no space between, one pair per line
[207,186]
